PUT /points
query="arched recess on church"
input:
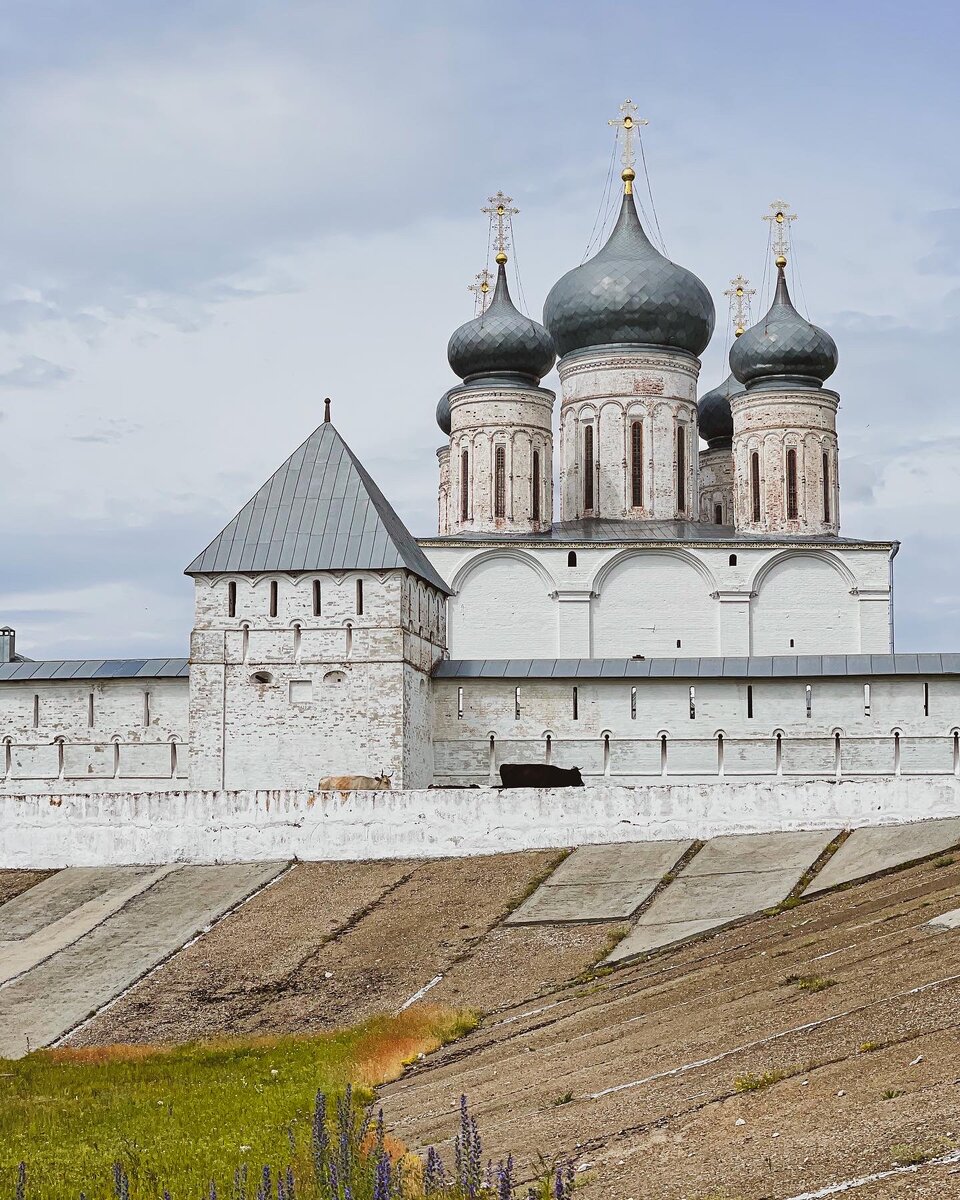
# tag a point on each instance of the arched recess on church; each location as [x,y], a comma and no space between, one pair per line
[503,607]
[803,605]
[648,601]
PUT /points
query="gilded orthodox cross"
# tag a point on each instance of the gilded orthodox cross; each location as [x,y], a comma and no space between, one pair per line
[629,123]
[780,220]
[501,212]
[738,294]
[481,291]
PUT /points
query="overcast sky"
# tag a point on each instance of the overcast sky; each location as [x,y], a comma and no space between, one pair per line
[216,212]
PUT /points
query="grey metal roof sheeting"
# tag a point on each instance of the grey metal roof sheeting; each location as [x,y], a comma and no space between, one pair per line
[96,668]
[320,511]
[800,666]
[599,529]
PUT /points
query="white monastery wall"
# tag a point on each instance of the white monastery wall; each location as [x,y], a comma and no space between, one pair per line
[122,733]
[607,392]
[630,730]
[528,601]
[210,826]
[285,697]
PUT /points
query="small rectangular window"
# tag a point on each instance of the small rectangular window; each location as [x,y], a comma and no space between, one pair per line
[316,598]
[146,709]
[459,703]
[274,597]
[576,706]
[866,699]
[826,486]
[90,712]
[633,704]
[750,701]
[693,703]
[36,710]
[231,599]
[464,485]
[535,484]
[360,597]
[926,699]
[808,694]
[516,704]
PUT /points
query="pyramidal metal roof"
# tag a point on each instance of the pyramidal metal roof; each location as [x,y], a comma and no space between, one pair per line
[320,511]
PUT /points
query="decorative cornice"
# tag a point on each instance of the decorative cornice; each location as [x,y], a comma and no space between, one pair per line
[646,361]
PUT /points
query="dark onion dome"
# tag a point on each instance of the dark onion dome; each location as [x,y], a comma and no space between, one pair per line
[629,293]
[713,414]
[443,413]
[501,341]
[784,345]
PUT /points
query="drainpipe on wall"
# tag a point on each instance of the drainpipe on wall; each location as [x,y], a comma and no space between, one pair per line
[893,554]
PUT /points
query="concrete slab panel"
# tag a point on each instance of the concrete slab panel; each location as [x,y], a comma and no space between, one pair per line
[626,862]
[582,902]
[22,954]
[881,847]
[646,938]
[761,852]
[724,896]
[45,1003]
[949,920]
[61,894]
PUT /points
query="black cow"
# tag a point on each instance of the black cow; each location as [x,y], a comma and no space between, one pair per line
[539,775]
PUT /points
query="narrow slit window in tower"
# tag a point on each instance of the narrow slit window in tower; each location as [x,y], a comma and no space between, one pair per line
[274,597]
[316,598]
[693,703]
[866,699]
[459,703]
[90,712]
[146,709]
[588,468]
[360,597]
[633,704]
[231,599]
[576,705]
[791,484]
[808,694]
[464,485]
[755,484]
[500,482]
[926,699]
[681,469]
[750,701]
[36,710]
[826,486]
[636,463]
[606,754]
[535,484]
[516,704]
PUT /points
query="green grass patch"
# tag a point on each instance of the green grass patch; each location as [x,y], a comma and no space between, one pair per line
[909,1155]
[945,860]
[756,1083]
[178,1117]
[809,983]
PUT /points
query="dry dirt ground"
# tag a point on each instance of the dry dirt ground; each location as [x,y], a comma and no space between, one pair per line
[12,883]
[331,943]
[636,1074]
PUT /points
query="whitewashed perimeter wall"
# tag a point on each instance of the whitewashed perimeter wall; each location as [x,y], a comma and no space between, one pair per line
[114,734]
[42,831]
[631,731]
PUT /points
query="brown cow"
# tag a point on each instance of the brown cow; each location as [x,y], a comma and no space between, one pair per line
[355,783]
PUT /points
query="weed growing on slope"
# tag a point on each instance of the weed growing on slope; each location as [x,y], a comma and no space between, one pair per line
[892,1093]
[755,1083]
[945,860]
[809,983]
[909,1155]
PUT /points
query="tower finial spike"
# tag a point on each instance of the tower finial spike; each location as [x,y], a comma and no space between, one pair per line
[326,410]
[780,219]
[630,123]
[738,294]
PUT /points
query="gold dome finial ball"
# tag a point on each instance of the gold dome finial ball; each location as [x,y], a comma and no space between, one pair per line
[780,261]
[628,174]
[501,257]
[738,331]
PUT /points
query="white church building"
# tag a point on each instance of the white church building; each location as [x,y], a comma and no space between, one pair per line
[675,613]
